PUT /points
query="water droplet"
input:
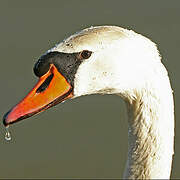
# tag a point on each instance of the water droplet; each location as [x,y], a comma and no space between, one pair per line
[7,135]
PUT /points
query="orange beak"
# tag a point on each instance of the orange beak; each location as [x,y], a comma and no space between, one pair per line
[51,89]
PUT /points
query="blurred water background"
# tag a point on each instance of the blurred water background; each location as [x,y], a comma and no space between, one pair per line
[85,137]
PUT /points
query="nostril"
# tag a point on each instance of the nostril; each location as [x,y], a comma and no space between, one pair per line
[45,84]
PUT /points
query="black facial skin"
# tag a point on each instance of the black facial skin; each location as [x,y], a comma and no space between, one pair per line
[66,63]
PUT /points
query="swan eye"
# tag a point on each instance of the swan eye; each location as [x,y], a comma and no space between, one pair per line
[85,54]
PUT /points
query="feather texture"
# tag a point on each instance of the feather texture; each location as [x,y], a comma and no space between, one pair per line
[129,65]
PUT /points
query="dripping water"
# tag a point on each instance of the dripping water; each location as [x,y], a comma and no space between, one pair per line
[7,134]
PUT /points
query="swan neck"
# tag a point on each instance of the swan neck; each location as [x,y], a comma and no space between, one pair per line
[150,135]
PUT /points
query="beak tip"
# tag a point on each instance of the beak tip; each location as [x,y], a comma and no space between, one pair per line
[5,118]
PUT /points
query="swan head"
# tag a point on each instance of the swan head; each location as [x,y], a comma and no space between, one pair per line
[104,59]
[121,60]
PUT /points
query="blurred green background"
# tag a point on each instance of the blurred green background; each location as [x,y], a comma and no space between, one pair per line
[85,137]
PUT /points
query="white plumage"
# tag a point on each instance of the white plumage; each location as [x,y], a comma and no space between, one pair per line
[129,65]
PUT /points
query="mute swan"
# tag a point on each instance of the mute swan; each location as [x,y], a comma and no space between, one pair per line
[111,60]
